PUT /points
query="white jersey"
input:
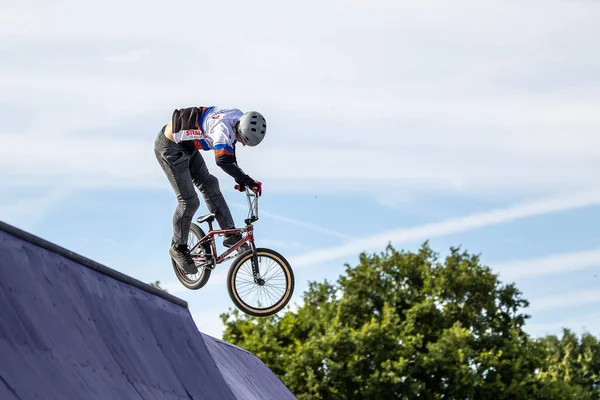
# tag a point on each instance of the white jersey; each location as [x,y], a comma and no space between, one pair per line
[217,131]
[210,128]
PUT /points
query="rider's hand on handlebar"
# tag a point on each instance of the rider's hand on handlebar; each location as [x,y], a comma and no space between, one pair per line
[255,186]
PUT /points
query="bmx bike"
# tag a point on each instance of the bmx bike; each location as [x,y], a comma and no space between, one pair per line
[266,266]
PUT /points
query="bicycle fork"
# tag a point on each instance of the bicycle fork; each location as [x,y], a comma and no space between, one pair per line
[254,258]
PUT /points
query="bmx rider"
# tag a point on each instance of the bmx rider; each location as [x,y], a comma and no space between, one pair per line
[177,151]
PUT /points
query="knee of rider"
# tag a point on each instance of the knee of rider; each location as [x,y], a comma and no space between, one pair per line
[211,185]
[191,205]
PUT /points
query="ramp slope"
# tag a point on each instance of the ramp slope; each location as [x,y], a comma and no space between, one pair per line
[71,328]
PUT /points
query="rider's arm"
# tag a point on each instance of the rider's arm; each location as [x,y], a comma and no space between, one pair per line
[225,154]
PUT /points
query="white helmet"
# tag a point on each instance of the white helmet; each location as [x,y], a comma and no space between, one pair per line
[252,128]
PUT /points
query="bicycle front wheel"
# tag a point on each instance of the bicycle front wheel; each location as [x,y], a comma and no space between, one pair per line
[274,289]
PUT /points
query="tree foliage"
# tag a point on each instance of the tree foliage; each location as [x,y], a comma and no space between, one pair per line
[405,325]
[572,361]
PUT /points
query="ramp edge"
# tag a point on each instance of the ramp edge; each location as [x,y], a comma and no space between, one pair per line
[78,258]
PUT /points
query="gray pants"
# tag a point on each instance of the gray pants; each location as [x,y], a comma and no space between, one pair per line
[186,170]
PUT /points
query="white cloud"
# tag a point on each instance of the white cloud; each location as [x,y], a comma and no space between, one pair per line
[130,57]
[548,265]
[589,322]
[297,222]
[283,244]
[114,162]
[566,300]
[389,100]
[79,162]
[476,122]
[28,212]
[451,226]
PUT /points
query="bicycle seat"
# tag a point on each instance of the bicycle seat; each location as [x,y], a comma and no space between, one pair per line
[206,218]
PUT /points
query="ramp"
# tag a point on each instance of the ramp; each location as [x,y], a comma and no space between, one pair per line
[71,328]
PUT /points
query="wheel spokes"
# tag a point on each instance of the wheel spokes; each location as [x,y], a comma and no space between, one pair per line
[261,296]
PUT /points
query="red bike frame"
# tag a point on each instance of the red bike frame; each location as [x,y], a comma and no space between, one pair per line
[209,238]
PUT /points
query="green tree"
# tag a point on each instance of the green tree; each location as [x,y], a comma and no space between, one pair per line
[403,325]
[573,361]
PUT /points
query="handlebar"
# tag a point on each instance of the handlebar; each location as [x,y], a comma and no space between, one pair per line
[252,204]
[257,191]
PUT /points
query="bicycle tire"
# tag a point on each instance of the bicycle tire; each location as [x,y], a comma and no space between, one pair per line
[233,292]
[193,284]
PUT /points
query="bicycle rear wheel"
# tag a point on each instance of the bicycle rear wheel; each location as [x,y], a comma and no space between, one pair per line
[199,279]
[268,300]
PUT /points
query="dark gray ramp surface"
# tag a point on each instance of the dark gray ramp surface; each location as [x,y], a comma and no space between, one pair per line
[234,363]
[73,329]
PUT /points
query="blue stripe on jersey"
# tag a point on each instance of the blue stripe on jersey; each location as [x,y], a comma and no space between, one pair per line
[203,143]
[227,147]
[203,117]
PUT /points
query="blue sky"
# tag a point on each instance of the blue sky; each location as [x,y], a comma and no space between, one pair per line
[471,124]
